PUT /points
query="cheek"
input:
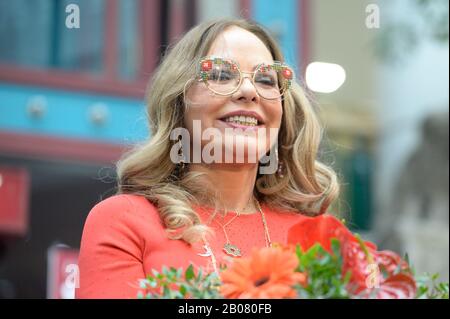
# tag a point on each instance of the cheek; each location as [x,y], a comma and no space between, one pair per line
[274,114]
[202,107]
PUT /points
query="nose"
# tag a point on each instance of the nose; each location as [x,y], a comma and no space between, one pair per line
[247,91]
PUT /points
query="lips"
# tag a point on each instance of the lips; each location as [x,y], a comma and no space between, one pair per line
[243,118]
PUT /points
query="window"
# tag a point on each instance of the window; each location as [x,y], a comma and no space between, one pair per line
[114,51]
[33,34]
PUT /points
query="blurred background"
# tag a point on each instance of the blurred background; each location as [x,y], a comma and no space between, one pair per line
[72,100]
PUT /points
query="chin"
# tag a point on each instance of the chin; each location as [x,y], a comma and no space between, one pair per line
[244,150]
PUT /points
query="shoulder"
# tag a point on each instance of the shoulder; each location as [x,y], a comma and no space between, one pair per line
[118,204]
[123,201]
[123,211]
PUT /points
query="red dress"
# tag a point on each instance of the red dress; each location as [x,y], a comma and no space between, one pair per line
[124,239]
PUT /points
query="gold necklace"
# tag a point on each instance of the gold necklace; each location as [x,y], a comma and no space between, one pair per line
[266,228]
[228,247]
[209,252]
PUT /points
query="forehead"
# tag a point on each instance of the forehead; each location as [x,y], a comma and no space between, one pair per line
[241,46]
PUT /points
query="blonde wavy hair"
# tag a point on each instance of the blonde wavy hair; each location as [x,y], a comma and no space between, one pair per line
[307,187]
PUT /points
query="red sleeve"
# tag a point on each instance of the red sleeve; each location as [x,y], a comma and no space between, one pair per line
[110,260]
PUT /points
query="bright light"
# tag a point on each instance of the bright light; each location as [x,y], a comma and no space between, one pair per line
[324,77]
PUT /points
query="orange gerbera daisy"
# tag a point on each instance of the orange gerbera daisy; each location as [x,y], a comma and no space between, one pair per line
[268,273]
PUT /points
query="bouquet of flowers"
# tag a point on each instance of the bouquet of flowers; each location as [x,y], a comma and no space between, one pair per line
[317,262]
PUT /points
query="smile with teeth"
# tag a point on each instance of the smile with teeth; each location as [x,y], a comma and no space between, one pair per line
[242,120]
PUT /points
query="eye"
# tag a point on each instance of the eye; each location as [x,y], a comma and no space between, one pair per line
[221,75]
[266,79]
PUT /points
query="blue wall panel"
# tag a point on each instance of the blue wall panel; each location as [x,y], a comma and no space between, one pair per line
[281,18]
[68,114]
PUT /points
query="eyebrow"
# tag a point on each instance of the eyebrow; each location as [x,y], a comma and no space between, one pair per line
[235,61]
[255,66]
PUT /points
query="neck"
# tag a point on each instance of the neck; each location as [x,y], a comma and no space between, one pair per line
[234,183]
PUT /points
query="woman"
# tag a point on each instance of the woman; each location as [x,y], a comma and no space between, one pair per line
[186,200]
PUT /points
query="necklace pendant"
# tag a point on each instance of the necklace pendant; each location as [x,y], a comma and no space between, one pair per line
[207,252]
[232,250]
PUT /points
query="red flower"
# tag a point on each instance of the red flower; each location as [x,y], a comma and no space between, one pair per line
[390,262]
[400,286]
[268,273]
[362,259]
[320,229]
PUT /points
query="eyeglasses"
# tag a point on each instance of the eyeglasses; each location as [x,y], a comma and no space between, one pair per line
[223,77]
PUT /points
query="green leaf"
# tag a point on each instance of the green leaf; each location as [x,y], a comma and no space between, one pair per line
[189,274]
[335,247]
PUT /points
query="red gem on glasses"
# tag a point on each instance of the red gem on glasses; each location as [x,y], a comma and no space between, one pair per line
[206,65]
[287,74]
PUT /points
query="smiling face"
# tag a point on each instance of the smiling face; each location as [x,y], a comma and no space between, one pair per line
[241,109]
